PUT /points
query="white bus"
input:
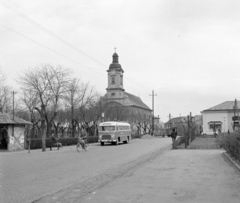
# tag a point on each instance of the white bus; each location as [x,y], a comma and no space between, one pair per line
[114,132]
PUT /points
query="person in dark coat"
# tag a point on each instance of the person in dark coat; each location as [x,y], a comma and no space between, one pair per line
[52,141]
[173,135]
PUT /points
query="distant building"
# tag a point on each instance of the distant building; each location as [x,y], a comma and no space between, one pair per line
[124,106]
[222,117]
[181,123]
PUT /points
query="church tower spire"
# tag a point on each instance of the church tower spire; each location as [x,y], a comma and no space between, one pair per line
[115,88]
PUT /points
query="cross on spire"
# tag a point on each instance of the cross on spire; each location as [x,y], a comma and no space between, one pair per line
[115,49]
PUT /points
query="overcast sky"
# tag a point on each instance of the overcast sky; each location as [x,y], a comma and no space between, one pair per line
[187,51]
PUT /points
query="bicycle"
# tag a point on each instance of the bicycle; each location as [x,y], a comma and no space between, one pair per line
[82,144]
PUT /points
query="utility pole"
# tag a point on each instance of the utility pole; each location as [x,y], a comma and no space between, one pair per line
[1,108]
[13,103]
[153,95]
[236,116]
[72,94]
[13,114]
[187,134]
[190,128]
[169,117]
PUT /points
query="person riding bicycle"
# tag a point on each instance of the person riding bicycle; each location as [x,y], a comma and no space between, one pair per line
[82,137]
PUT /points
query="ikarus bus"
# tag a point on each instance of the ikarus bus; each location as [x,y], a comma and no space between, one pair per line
[114,132]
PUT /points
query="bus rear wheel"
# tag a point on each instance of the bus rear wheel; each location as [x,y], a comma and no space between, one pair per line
[102,143]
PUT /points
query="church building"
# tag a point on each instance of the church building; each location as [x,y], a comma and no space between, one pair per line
[123,105]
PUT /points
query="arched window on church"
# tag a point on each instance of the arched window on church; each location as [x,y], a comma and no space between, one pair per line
[113,80]
[121,80]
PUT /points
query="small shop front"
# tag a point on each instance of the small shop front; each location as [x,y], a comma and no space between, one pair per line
[216,126]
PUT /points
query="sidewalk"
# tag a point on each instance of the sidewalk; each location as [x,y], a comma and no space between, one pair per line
[201,176]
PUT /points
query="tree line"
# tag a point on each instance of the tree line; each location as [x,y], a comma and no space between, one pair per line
[58,104]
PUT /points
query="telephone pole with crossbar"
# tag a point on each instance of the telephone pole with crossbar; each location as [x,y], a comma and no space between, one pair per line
[153,95]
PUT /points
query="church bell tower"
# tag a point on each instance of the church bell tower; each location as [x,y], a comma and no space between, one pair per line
[115,90]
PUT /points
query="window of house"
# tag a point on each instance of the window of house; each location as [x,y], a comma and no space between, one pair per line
[113,80]
[113,94]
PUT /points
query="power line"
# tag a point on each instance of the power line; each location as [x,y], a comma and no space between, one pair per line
[49,32]
[59,53]
[49,49]
[57,37]
[62,54]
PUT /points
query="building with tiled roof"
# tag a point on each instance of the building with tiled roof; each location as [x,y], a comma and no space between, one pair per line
[180,123]
[222,117]
[116,95]
[12,132]
[8,119]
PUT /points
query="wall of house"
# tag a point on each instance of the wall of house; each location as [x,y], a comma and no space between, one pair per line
[223,116]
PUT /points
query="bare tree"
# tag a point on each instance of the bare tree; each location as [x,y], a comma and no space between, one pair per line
[96,108]
[30,101]
[5,98]
[2,77]
[87,96]
[73,97]
[49,83]
[5,94]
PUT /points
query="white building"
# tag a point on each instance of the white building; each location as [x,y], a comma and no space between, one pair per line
[221,117]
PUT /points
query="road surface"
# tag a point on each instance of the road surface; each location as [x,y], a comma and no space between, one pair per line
[39,175]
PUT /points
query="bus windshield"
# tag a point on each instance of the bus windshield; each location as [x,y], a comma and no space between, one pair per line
[106,128]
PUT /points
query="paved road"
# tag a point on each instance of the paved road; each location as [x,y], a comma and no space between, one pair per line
[38,176]
[189,176]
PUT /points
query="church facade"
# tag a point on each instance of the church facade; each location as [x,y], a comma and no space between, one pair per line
[123,105]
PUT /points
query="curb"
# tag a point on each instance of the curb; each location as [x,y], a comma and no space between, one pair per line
[233,160]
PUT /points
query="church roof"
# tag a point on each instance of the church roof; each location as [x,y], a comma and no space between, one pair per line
[131,99]
[227,105]
[7,119]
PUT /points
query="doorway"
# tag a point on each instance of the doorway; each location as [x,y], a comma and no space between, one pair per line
[3,138]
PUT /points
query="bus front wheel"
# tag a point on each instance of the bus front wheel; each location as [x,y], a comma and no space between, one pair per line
[102,143]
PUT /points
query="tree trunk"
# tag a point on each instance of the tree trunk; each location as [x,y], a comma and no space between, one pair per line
[73,129]
[43,135]
[49,128]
